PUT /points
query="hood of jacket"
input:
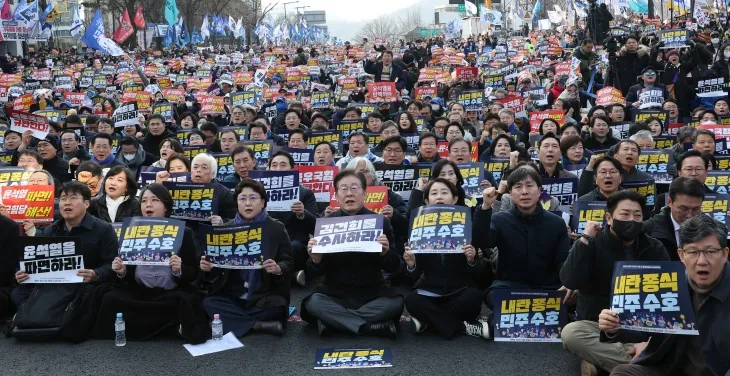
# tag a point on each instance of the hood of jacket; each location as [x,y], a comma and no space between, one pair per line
[139,157]
[641,51]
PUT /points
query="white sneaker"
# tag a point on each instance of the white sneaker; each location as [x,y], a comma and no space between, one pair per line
[418,326]
[301,278]
[476,328]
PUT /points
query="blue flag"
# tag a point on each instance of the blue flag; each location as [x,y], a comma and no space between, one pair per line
[184,34]
[94,37]
[536,9]
[171,12]
[170,37]
[196,38]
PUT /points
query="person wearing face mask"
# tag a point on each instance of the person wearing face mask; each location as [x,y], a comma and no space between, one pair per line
[720,66]
[589,268]
[119,199]
[133,156]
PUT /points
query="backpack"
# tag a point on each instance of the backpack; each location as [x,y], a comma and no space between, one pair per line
[46,312]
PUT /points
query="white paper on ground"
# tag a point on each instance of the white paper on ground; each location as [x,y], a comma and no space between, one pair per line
[227,342]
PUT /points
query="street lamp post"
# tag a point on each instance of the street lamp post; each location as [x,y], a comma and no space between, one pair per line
[285,4]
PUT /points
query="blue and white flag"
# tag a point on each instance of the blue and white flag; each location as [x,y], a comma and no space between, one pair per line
[171,12]
[96,39]
[536,9]
[76,24]
[197,38]
[205,28]
[184,38]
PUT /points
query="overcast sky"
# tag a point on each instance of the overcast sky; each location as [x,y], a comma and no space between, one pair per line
[340,11]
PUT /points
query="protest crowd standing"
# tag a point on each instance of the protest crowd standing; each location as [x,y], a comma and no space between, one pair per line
[504,172]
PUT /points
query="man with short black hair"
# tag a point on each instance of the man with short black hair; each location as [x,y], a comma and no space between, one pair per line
[589,268]
[693,164]
[101,151]
[298,139]
[394,151]
[133,156]
[358,148]
[210,130]
[428,149]
[685,201]
[228,140]
[156,133]
[48,149]
[385,70]
[71,151]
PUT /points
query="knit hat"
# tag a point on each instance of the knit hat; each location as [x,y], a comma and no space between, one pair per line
[53,140]
[670,53]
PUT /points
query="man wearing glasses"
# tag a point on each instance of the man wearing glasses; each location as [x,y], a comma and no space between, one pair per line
[98,240]
[358,148]
[703,251]
[693,164]
[352,297]
[394,151]
[649,93]
[589,268]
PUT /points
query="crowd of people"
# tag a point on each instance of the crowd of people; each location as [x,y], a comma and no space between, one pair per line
[518,241]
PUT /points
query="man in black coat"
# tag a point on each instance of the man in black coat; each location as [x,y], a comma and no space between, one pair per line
[685,201]
[693,164]
[99,244]
[300,220]
[532,243]
[70,148]
[352,297]
[656,93]
[156,133]
[589,268]
[133,156]
[385,70]
[10,237]
[632,60]
[48,149]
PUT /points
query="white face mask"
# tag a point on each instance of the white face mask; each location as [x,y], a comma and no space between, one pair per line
[715,40]
[189,104]
[129,157]
[727,54]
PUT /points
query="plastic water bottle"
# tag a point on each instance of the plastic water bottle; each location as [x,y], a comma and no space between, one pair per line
[121,337]
[217,327]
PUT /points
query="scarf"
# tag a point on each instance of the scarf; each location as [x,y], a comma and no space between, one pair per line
[107,161]
[252,276]
[556,90]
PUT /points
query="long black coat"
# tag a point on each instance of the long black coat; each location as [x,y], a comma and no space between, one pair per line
[589,268]
[661,228]
[355,278]
[275,289]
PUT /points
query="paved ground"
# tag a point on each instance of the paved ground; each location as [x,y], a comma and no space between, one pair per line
[292,354]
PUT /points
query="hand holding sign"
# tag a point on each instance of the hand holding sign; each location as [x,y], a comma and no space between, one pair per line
[470,253]
[409,258]
[119,267]
[176,264]
[316,257]
[21,276]
[383,240]
[205,265]
[608,321]
[89,275]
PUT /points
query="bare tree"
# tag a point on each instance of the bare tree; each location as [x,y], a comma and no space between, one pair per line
[382,27]
[410,20]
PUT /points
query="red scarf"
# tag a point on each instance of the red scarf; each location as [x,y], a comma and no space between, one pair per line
[556,90]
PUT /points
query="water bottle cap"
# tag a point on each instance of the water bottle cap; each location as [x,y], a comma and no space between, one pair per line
[119,315]
[216,316]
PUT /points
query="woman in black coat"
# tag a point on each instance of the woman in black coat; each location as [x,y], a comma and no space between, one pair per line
[446,298]
[255,299]
[154,298]
[119,199]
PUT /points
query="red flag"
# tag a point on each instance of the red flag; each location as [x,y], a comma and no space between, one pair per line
[124,30]
[5,11]
[138,18]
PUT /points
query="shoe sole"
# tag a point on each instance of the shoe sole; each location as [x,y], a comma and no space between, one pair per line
[588,369]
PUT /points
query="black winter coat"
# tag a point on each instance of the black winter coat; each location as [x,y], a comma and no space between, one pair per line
[129,208]
[589,268]
[661,228]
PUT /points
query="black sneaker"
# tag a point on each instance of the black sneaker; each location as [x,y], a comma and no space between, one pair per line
[271,327]
[383,329]
[476,328]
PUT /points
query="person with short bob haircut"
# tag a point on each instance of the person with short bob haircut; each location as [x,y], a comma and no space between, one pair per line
[119,199]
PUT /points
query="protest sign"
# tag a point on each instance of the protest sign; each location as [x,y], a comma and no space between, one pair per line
[537,95]
[319,180]
[63,82]
[322,99]
[191,152]
[353,358]
[213,105]
[655,163]
[348,234]
[538,116]
[718,181]
[381,92]
[400,179]
[528,315]
[11,176]
[164,109]
[472,100]
[467,73]
[23,102]
[674,38]
[710,87]
[240,131]
[261,151]
[641,116]
[150,241]
[236,247]
[74,98]
[242,78]
[609,95]
[649,98]
[716,206]
[652,296]
[563,189]
[496,166]
[51,259]
[174,95]
[473,174]
[347,127]
[22,121]
[193,200]
[621,130]
[282,188]
[302,157]
[494,81]
[33,203]
[126,114]
[717,129]
[584,211]
[514,103]
[225,165]
[425,91]
[365,109]
[646,188]
[439,229]
[376,198]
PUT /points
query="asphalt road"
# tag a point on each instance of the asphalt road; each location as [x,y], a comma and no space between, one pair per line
[292,354]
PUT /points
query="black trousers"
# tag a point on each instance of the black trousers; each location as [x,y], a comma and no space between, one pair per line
[445,314]
[299,250]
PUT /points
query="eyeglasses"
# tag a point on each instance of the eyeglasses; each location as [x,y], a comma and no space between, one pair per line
[709,253]
[608,172]
[345,189]
[393,151]
[650,74]
[69,198]
[251,199]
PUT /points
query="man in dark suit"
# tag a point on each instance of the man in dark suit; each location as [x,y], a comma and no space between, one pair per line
[385,70]
[352,297]
[685,201]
